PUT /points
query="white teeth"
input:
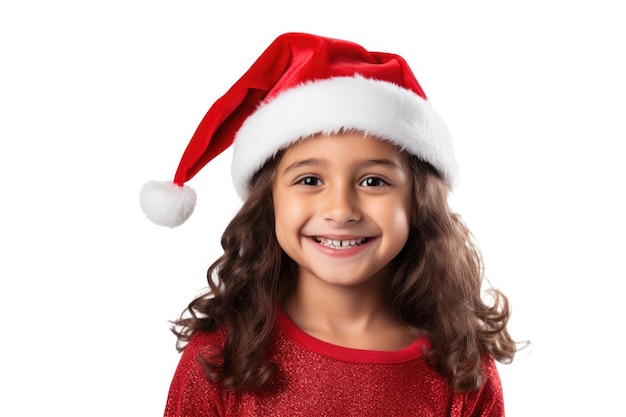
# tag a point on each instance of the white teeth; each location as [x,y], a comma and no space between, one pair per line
[340,244]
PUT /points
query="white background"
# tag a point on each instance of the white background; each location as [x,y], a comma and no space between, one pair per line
[98,97]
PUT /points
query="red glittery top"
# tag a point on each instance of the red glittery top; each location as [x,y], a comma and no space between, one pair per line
[316,378]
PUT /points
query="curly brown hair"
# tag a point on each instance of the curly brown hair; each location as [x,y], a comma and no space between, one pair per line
[435,285]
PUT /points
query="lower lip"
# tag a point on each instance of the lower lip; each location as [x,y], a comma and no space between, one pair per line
[341,253]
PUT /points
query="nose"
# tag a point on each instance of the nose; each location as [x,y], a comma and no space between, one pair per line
[340,206]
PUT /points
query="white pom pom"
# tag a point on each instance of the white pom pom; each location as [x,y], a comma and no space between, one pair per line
[166,203]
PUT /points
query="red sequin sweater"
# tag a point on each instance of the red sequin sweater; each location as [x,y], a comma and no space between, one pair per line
[316,378]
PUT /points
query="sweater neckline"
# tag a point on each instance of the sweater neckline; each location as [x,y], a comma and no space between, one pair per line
[298,336]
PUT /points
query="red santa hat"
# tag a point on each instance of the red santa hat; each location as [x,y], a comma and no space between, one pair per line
[303,85]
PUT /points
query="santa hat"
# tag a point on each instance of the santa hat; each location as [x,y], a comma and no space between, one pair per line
[303,85]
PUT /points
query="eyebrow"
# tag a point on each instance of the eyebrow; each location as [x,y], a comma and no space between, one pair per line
[384,162]
[304,163]
[321,162]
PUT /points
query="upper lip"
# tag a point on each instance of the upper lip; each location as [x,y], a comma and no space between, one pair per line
[340,237]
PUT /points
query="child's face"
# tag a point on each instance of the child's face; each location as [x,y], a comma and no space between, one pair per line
[342,207]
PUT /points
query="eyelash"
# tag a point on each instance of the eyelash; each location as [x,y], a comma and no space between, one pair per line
[304,180]
[380,181]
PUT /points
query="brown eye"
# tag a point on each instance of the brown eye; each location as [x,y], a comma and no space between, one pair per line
[372,182]
[310,181]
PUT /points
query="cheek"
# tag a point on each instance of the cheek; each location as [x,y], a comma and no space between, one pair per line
[396,218]
[288,213]
[400,222]
[286,209]
[396,211]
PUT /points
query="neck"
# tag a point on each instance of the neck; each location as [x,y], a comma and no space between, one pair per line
[351,316]
[334,306]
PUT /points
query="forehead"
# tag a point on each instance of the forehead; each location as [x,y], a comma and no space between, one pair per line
[341,146]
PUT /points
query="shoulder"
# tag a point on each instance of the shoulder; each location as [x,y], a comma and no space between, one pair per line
[487,401]
[191,393]
[206,343]
[202,346]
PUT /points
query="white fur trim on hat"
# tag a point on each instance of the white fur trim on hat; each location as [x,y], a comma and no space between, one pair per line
[378,108]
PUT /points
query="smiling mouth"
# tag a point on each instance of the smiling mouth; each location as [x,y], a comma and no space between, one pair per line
[340,244]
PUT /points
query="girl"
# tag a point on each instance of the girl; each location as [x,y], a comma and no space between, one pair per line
[347,286]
